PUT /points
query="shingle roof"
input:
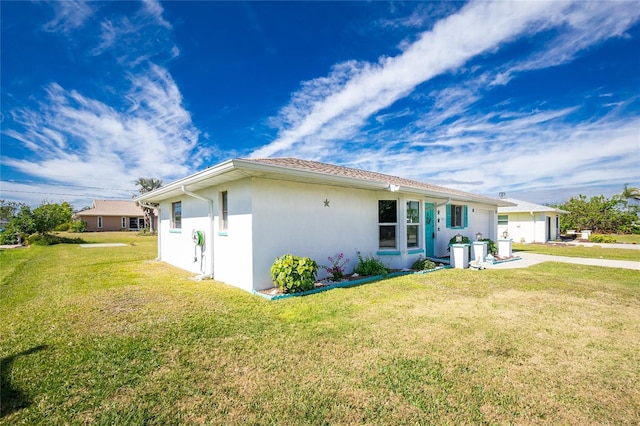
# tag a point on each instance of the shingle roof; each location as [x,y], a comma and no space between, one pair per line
[125,208]
[330,169]
[526,207]
[298,170]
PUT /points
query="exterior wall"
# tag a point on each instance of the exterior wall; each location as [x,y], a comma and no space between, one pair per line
[480,218]
[268,218]
[176,245]
[234,251]
[530,228]
[109,223]
[231,250]
[292,218]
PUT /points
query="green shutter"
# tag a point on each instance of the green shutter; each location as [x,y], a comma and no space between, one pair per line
[465,217]
[448,215]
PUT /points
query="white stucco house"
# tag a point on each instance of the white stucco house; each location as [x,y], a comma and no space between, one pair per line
[230,221]
[526,222]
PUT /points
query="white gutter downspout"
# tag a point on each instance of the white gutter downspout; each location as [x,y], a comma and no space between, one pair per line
[210,202]
[150,206]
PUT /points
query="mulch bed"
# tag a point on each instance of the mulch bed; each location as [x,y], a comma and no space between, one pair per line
[328,282]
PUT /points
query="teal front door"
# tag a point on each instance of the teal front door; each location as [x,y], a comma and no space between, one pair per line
[429,230]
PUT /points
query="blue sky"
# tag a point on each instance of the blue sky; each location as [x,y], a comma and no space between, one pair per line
[536,99]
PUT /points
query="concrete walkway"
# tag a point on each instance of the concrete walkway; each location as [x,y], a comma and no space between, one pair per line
[608,245]
[527,259]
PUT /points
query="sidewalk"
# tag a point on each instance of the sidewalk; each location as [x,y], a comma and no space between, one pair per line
[527,259]
[608,245]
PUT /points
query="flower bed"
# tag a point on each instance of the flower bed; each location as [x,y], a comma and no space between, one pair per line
[346,281]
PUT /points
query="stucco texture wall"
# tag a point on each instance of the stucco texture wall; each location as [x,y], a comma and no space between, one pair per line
[309,220]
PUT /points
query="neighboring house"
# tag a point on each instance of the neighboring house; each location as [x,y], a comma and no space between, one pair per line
[529,222]
[112,215]
[230,221]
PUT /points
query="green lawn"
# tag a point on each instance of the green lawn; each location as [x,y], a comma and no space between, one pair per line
[578,250]
[627,238]
[109,336]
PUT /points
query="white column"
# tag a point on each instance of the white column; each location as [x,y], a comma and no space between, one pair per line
[504,248]
[479,251]
[459,256]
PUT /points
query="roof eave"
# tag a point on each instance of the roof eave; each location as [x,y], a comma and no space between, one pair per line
[252,168]
[162,192]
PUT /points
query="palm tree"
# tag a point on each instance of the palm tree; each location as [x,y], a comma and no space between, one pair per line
[629,193]
[147,185]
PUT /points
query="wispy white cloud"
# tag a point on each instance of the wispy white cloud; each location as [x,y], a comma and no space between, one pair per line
[584,25]
[68,15]
[540,151]
[145,131]
[72,135]
[477,28]
[332,117]
[134,39]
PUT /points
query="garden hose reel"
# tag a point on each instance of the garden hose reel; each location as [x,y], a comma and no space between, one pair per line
[198,240]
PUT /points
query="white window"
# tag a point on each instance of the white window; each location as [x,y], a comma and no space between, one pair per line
[124,222]
[503,219]
[99,222]
[224,211]
[176,215]
[413,224]
[387,224]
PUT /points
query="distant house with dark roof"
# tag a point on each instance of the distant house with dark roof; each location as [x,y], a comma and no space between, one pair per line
[529,222]
[232,220]
[112,215]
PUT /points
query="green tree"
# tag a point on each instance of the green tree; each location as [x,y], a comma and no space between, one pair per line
[629,193]
[147,185]
[599,214]
[8,209]
[49,215]
[20,226]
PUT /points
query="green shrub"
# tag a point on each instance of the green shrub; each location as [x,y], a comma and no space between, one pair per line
[293,274]
[597,238]
[11,234]
[422,264]
[50,240]
[63,227]
[492,247]
[78,226]
[370,266]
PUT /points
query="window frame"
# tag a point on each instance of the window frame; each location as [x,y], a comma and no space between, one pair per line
[99,222]
[453,215]
[176,219]
[387,225]
[124,222]
[224,211]
[411,224]
[504,221]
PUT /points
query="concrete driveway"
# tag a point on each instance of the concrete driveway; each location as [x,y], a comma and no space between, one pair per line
[527,259]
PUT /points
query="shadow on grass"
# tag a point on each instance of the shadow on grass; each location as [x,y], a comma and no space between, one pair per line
[12,399]
[51,239]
